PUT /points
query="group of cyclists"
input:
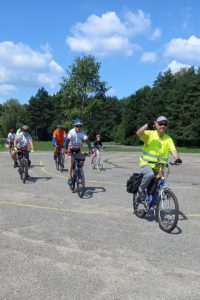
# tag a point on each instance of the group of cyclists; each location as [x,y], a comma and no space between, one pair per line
[69,143]
[157,146]
[72,142]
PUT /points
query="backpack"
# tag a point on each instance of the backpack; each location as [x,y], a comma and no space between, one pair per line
[133,183]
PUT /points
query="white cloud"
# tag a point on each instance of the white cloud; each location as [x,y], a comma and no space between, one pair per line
[187,50]
[20,66]
[156,34]
[149,57]
[176,66]
[109,34]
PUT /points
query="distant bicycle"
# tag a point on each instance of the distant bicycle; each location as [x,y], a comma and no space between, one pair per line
[161,199]
[78,176]
[97,162]
[23,164]
[59,159]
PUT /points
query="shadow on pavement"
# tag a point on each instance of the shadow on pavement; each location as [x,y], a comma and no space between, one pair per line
[150,217]
[34,179]
[89,191]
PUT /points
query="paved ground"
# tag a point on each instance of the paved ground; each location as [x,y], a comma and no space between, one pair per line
[54,245]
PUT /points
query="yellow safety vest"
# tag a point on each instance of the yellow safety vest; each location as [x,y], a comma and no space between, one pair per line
[155,149]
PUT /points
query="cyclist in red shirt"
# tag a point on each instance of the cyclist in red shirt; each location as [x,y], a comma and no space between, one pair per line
[59,139]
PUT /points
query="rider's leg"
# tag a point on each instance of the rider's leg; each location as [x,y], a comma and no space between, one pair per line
[63,152]
[148,174]
[70,167]
[14,157]
[54,153]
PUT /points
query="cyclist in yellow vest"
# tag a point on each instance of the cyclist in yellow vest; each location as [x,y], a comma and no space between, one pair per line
[157,147]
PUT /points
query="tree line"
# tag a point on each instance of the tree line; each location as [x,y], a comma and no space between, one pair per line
[83,94]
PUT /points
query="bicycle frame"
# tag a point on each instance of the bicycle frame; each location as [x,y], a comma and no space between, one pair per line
[161,186]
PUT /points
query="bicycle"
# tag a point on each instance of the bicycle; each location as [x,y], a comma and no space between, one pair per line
[97,161]
[59,159]
[23,164]
[78,176]
[161,199]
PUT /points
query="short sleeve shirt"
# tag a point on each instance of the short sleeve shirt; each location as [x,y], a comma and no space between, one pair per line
[23,140]
[76,138]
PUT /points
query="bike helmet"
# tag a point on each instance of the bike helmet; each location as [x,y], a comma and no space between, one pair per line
[77,122]
[98,135]
[25,128]
[59,125]
[12,129]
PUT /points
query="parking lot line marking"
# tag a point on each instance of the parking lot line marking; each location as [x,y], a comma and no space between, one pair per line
[92,212]
[90,181]
[108,182]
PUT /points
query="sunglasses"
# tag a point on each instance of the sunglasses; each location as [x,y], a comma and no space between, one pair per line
[162,124]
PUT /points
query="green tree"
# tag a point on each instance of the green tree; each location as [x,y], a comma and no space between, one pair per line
[83,83]
[12,114]
[41,115]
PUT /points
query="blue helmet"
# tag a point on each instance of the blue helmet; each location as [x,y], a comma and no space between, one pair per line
[77,122]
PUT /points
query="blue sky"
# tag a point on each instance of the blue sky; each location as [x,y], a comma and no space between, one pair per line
[133,40]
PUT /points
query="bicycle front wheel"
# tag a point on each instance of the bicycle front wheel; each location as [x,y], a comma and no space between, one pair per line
[168,211]
[72,186]
[24,166]
[62,164]
[80,182]
[99,164]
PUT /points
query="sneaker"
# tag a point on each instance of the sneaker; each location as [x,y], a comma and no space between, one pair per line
[16,164]
[70,181]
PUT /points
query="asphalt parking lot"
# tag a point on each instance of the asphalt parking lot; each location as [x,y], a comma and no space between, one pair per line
[54,245]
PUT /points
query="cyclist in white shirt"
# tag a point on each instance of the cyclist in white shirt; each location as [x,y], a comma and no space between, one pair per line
[74,141]
[10,138]
[22,140]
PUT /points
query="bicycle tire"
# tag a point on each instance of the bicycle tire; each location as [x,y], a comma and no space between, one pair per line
[80,182]
[57,163]
[140,213]
[72,186]
[168,211]
[99,164]
[23,173]
[62,164]
[20,171]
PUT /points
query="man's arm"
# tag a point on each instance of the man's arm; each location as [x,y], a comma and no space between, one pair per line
[141,130]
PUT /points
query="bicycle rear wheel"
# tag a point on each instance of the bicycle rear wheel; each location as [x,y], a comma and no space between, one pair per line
[168,211]
[80,182]
[138,207]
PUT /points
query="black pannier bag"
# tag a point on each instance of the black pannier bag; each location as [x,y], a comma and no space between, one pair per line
[133,183]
